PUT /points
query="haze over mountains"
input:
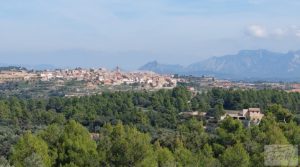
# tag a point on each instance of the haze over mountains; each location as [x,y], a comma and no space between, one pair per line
[31,66]
[250,65]
[245,65]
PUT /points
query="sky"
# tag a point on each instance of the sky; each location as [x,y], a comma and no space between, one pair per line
[129,33]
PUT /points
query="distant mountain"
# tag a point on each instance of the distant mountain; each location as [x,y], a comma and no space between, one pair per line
[40,67]
[162,68]
[30,67]
[245,65]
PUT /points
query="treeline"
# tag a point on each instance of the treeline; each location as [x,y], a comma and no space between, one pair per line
[160,108]
[144,129]
[71,144]
[9,68]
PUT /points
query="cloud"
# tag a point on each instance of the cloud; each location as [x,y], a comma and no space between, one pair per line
[280,32]
[296,30]
[298,33]
[257,31]
[292,31]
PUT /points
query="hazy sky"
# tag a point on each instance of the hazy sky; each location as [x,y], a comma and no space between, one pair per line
[130,33]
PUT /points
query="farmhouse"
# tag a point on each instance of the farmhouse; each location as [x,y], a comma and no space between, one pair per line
[251,114]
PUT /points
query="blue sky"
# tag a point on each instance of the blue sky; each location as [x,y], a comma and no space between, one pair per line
[94,33]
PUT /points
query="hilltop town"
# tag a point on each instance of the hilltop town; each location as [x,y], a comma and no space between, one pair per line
[78,81]
[93,76]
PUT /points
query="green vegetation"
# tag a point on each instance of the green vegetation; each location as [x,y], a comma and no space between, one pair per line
[144,129]
[60,88]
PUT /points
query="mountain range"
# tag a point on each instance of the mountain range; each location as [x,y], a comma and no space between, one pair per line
[245,65]
[31,67]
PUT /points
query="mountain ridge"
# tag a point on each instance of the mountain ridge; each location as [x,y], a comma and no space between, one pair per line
[245,65]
